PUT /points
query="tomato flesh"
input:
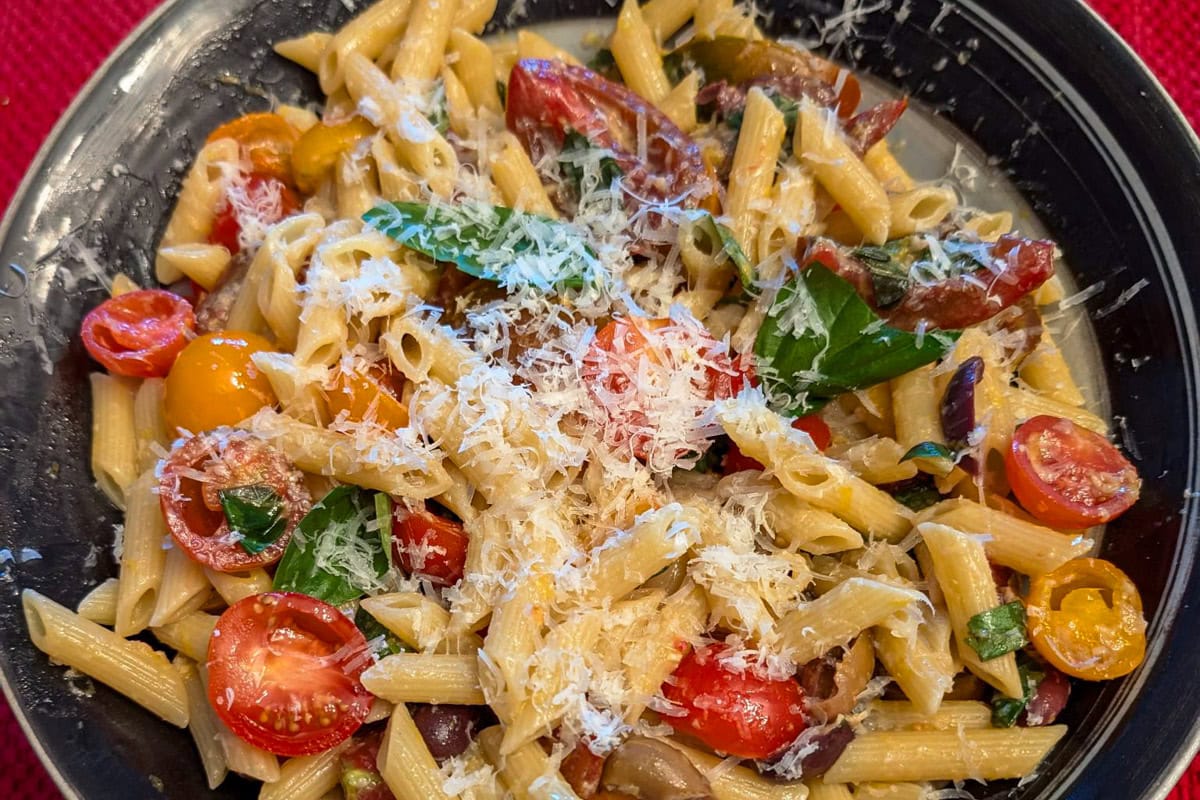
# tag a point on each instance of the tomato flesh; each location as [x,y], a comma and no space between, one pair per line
[739,713]
[138,334]
[1086,619]
[737,461]
[215,383]
[284,673]
[370,394]
[188,491]
[266,139]
[1068,476]
[257,197]
[546,99]
[429,546]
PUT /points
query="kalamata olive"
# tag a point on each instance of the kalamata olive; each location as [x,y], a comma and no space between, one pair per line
[828,742]
[447,730]
[1048,700]
[958,407]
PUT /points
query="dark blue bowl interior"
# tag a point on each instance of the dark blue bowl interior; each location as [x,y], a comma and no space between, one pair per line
[1044,88]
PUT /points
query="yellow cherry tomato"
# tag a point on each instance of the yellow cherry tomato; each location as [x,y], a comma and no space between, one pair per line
[266,139]
[213,382]
[317,151]
[1086,619]
[371,394]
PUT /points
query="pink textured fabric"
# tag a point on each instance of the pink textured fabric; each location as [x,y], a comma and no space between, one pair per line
[51,48]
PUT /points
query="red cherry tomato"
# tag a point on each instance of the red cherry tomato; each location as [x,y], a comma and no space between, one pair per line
[188,491]
[739,713]
[737,461]
[284,673]
[546,99]
[1067,476]
[633,370]
[138,334]
[256,197]
[430,546]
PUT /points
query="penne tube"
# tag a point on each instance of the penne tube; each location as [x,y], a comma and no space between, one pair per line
[423,48]
[142,557]
[184,588]
[149,425]
[666,17]
[234,586]
[893,715]
[241,756]
[305,50]
[366,35]
[100,604]
[837,616]
[635,50]
[738,782]
[188,635]
[532,45]
[527,771]
[204,263]
[202,723]
[114,439]
[627,560]
[405,762]
[753,172]
[425,678]
[1026,404]
[307,777]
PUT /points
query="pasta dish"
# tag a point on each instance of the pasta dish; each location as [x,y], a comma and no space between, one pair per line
[515,427]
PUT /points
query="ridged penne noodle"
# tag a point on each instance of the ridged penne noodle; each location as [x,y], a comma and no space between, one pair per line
[114,437]
[366,35]
[792,212]
[920,209]
[532,45]
[423,47]
[425,678]
[475,67]
[142,556]
[122,284]
[680,103]
[405,763]
[886,169]
[1028,548]
[920,661]
[517,180]
[991,226]
[203,723]
[196,206]
[1045,371]
[188,635]
[149,426]
[306,777]
[132,668]
[1026,404]
[527,771]
[739,782]
[835,617]
[473,15]
[234,586]
[420,623]
[184,588]
[666,17]
[100,604]
[203,263]
[305,50]
[916,407]
[636,52]
[616,568]
[753,172]
[798,526]
[952,715]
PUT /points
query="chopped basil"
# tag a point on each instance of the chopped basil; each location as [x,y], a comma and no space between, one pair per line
[604,64]
[492,242]
[917,494]
[502,90]
[332,555]
[573,155]
[928,450]
[383,518]
[439,115]
[1007,710]
[889,275]
[720,236]
[820,339]
[256,513]
[383,642]
[997,631]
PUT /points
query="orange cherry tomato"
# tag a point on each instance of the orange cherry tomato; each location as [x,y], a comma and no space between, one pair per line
[1086,619]
[318,149]
[138,334]
[372,394]
[1067,476]
[266,139]
[215,383]
[284,673]
[255,198]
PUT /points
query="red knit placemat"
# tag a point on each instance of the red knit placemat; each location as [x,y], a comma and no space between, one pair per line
[51,48]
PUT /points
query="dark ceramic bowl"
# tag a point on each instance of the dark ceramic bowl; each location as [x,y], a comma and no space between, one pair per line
[1042,86]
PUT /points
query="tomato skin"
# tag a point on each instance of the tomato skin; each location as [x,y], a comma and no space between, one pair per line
[548,98]
[429,546]
[1086,619]
[265,139]
[227,225]
[1068,476]
[284,673]
[370,394]
[737,461]
[138,334]
[215,383]
[740,714]
[582,769]
[192,509]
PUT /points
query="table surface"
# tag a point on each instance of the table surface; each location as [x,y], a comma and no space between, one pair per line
[37,84]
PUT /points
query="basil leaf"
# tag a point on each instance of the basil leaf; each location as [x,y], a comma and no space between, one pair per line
[889,273]
[332,556]
[1007,710]
[917,493]
[820,339]
[928,450]
[382,641]
[604,64]
[575,146]
[438,115]
[491,242]
[383,518]
[997,631]
[502,90]
[721,236]
[256,513]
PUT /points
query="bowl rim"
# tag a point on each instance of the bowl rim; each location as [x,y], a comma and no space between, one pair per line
[1151,88]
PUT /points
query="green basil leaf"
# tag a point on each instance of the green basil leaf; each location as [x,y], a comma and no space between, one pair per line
[502,90]
[383,518]
[604,64]
[255,512]
[1007,710]
[820,339]
[918,496]
[332,556]
[492,242]
[998,630]
[383,641]
[928,450]
[575,145]
[888,270]
[720,236]
[439,115]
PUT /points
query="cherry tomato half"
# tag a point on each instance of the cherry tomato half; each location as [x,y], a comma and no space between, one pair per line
[739,713]
[214,382]
[138,334]
[634,370]
[737,461]
[430,546]
[373,393]
[1086,619]
[265,139]
[193,475]
[546,99]
[264,196]
[284,673]
[1067,476]
[318,149]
